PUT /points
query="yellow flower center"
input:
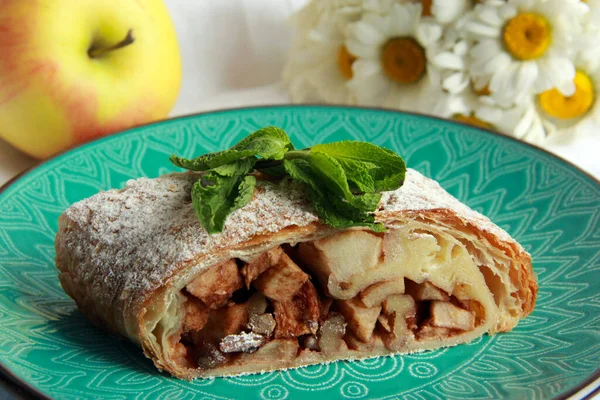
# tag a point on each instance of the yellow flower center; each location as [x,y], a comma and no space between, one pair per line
[557,105]
[403,60]
[345,61]
[426,8]
[472,120]
[527,36]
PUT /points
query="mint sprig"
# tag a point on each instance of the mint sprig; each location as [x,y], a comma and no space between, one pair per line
[344,179]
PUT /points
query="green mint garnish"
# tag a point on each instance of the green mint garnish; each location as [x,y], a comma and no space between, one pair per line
[344,179]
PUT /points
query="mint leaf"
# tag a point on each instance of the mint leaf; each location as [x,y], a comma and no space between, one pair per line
[211,160]
[332,209]
[386,169]
[270,143]
[239,167]
[330,173]
[221,191]
[344,180]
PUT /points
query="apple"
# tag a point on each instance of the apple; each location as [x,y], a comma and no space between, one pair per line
[74,70]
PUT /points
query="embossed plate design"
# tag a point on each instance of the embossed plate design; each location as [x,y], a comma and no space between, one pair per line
[552,208]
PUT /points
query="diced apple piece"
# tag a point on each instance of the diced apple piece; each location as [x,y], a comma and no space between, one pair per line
[299,316]
[384,321]
[196,314]
[274,353]
[356,344]
[215,286]
[262,323]
[447,315]
[375,294]
[331,333]
[179,352]
[260,264]
[257,304]
[234,319]
[400,310]
[427,332]
[282,281]
[399,335]
[401,304]
[338,258]
[425,291]
[361,320]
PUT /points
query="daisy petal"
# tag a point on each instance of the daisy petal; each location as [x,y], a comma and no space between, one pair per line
[449,60]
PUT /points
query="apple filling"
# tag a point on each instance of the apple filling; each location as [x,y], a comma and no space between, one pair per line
[351,295]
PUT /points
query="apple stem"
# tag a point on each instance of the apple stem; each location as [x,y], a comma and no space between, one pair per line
[96,51]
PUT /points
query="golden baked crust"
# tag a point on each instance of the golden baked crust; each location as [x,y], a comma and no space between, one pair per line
[125,255]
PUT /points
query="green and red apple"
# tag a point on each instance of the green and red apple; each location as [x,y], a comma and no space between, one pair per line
[74,70]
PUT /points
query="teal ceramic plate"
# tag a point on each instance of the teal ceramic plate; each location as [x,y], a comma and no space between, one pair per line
[549,206]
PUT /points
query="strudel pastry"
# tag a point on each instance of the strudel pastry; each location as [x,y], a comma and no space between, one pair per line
[277,288]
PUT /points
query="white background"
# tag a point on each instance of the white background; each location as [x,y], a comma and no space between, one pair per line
[233,52]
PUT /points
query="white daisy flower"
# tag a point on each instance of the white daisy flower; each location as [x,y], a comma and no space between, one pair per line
[314,12]
[319,64]
[523,46]
[586,42]
[446,11]
[521,121]
[577,114]
[451,60]
[392,67]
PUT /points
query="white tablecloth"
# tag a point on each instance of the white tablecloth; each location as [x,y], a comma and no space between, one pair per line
[233,52]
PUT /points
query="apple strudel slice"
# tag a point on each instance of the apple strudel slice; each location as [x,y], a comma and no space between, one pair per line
[277,288]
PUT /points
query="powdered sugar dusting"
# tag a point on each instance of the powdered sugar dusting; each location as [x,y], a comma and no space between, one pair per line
[133,240]
[421,193]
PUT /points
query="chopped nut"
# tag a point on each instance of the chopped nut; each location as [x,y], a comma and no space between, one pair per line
[242,342]
[215,286]
[375,294]
[425,291]
[331,333]
[282,281]
[297,317]
[361,320]
[260,264]
[196,314]
[313,326]
[310,342]
[262,323]
[447,315]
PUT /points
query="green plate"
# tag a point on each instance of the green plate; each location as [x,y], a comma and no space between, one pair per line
[549,206]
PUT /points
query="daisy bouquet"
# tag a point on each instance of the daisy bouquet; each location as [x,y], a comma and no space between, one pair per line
[528,68]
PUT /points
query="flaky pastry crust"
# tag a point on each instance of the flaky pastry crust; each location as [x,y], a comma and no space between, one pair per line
[123,255]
